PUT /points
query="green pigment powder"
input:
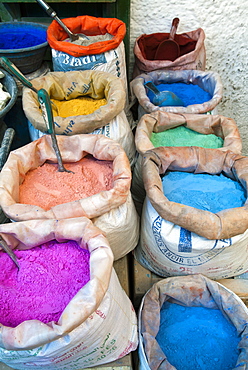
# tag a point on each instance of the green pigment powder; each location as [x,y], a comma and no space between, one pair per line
[183,136]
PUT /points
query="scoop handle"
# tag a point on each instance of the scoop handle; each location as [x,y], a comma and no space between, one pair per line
[53,14]
[173,29]
[9,251]
[47,113]
[45,103]
[150,85]
[47,8]
[14,71]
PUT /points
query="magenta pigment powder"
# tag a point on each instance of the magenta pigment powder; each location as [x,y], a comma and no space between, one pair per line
[49,277]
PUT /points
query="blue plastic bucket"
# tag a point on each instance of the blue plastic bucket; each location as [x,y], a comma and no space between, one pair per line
[24,43]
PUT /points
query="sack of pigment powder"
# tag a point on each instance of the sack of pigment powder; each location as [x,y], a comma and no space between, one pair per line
[109,119]
[170,129]
[86,324]
[103,50]
[202,295]
[201,224]
[200,91]
[105,53]
[192,52]
[112,209]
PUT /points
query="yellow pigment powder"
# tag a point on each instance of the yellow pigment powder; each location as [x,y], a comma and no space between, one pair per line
[77,107]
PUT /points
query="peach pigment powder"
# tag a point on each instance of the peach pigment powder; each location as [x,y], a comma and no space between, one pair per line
[46,187]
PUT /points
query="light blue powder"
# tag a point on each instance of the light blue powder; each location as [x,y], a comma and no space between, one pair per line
[197,338]
[189,93]
[212,193]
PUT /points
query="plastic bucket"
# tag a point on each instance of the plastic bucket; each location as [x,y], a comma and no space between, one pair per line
[27,59]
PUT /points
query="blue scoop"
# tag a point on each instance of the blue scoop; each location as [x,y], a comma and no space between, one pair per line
[163,98]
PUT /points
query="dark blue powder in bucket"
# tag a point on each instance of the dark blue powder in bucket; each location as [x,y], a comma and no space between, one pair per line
[197,338]
[212,193]
[21,37]
[189,93]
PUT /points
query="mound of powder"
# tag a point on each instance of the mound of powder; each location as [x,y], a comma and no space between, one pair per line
[46,187]
[24,36]
[212,193]
[197,338]
[49,277]
[91,39]
[76,107]
[183,136]
[189,93]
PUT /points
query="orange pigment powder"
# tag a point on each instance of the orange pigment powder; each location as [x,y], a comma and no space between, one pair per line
[46,187]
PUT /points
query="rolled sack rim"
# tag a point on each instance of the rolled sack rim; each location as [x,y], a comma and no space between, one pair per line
[219,125]
[193,76]
[222,225]
[90,26]
[197,35]
[79,124]
[196,290]
[41,333]
[18,164]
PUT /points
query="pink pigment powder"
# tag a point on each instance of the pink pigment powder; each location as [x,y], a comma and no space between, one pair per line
[46,187]
[49,277]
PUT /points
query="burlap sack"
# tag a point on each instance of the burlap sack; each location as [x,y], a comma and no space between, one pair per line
[110,118]
[87,321]
[113,209]
[195,290]
[208,81]
[192,52]
[160,121]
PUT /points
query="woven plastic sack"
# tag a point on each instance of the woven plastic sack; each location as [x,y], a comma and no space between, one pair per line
[197,291]
[177,239]
[112,210]
[192,52]
[159,121]
[208,81]
[109,119]
[106,54]
[86,325]
[89,26]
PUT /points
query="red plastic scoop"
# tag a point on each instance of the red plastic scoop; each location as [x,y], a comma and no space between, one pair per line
[169,49]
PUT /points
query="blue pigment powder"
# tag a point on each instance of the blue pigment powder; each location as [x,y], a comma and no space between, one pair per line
[21,37]
[212,193]
[189,93]
[197,338]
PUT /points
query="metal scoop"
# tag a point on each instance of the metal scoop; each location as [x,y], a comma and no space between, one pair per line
[52,13]
[169,49]
[9,251]
[163,98]
[14,71]
[44,101]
